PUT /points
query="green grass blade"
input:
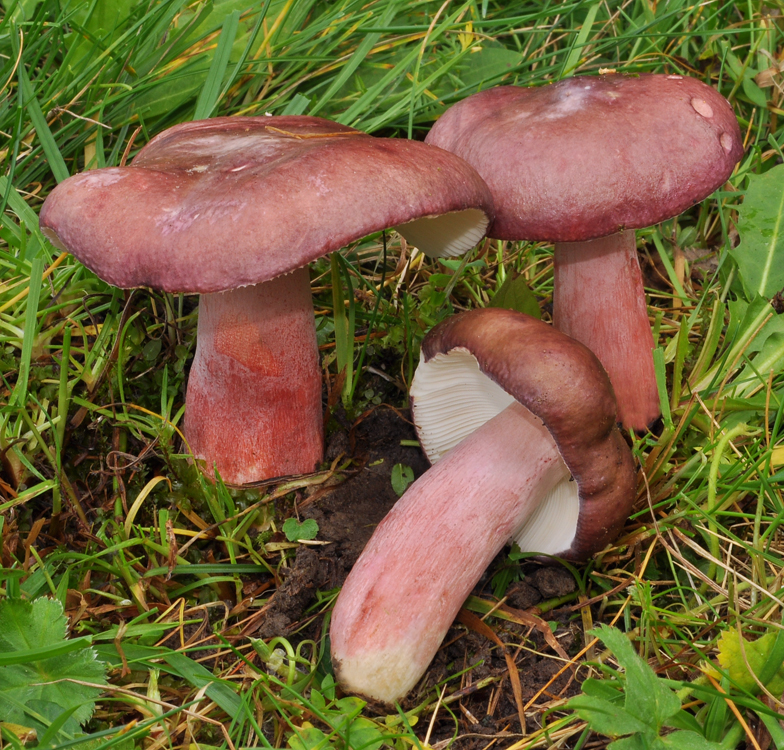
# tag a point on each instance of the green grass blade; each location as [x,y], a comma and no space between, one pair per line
[208,98]
[19,395]
[217,690]
[344,336]
[45,652]
[48,143]
[573,60]
[25,214]
[248,47]
[361,53]
[661,384]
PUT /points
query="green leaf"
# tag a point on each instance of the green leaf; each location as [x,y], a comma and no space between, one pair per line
[686,740]
[605,717]
[317,699]
[755,94]
[344,324]
[350,704]
[764,656]
[19,394]
[646,695]
[45,652]
[365,734]
[760,254]
[297,105]
[98,24]
[770,357]
[18,205]
[22,9]
[402,476]
[515,294]
[58,722]
[602,689]
[328,687]
[308,738]
[684,720]
[169,92]
[635,742]
[35,693]
[294,530]
[487,62]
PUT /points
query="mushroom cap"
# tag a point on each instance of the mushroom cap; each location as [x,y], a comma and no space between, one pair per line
[558,380]
[592,155]
[212,205]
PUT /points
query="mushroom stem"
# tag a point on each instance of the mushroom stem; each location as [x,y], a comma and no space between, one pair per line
[254,392]
[406,588]
[599,300]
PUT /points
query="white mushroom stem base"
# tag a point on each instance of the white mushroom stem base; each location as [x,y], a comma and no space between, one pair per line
[429,552]
[253,407]
[599,300]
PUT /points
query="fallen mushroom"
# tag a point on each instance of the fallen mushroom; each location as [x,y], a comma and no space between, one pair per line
[234,208]
[582,163]
[510,411]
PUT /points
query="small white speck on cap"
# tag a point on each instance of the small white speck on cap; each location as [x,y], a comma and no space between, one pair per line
[726,141]
[702,107]
[675,78]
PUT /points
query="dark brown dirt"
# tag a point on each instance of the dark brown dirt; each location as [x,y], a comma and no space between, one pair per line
[347,515]
[552,582]
[490,712]
[522,595]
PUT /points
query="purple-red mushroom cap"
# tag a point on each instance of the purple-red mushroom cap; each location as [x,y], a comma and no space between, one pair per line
[529,409]
[474,365]
[582,163]
[213,205]
[235,208]
[592,155]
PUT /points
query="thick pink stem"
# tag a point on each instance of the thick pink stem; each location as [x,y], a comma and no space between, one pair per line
[253,406]
[599,300]
[428,553]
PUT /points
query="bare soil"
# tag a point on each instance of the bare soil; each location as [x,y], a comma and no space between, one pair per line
[347,516]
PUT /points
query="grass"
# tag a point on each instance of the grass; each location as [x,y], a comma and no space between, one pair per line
[101,511]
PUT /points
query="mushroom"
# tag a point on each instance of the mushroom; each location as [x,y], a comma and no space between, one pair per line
[582,163]
[234,208]
[510,411]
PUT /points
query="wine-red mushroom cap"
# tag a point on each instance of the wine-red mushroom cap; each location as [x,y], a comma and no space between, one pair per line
[589,156]
[217,204]
[475,364]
